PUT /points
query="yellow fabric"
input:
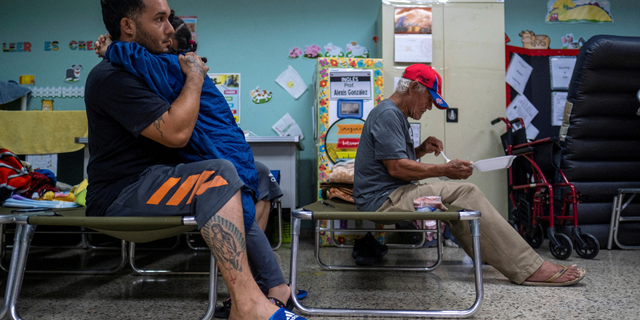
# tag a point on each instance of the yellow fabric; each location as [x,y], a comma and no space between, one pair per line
[42,132]
[80,192]
[51,196]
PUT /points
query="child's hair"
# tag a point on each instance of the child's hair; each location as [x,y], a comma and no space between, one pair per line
[182,35]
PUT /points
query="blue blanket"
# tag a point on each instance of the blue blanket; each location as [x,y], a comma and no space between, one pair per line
[216,134]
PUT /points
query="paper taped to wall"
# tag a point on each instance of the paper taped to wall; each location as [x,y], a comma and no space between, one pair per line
[291,81]
[286,126]
[518,73]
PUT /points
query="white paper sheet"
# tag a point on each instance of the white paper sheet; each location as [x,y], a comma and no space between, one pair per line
[518,73]
[291,81]
[532,132]
[521,107]
[415,134]
[286,126]
[413,48]
[44,161]
[561,71]
[558,101]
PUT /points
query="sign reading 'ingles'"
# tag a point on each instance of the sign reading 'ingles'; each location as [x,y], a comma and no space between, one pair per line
[351,84]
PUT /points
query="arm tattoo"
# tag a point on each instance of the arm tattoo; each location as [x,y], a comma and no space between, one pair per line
[195,66]
[226,242]
[157,124]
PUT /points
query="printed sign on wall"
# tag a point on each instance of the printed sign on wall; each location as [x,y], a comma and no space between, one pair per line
[229,85]
[350,84]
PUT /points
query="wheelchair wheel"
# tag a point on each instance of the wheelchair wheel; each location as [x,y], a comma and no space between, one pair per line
[536,238]
[563,250]
[591,249]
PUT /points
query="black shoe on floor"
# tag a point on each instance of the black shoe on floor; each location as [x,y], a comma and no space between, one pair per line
[224,311]
[368,241]
[381,247]
[358,245]
[368,251]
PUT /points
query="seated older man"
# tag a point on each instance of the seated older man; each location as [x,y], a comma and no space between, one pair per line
[386,172]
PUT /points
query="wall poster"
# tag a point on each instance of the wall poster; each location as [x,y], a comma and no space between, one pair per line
[413,39]
[585,11]
[190,22]
[229,85]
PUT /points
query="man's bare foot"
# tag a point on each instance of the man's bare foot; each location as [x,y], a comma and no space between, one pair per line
[549,269]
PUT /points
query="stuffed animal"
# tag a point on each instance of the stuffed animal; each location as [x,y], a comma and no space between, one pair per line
[531,41]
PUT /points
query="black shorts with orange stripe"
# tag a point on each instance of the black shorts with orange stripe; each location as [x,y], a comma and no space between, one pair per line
[197,189]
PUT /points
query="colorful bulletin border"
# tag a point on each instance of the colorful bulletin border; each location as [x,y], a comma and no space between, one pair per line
[323,124]
[323,100]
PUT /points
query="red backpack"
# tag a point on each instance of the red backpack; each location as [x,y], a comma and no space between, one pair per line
[14,178]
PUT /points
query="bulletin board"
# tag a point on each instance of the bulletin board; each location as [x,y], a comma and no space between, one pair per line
[375,65]
[538,89]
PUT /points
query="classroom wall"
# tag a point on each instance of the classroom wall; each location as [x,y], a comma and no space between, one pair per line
[250,37]
[245,36]
[523,15]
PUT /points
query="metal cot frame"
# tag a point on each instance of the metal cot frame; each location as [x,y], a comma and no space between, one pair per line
[148,272]
[25,228]
[327,214]
[614,227]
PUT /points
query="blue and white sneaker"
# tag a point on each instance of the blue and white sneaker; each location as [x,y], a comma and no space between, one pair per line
[284,314]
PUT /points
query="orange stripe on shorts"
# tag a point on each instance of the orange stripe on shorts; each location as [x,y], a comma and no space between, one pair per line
[215,182]
[204,176]
[184,189]
[162,191]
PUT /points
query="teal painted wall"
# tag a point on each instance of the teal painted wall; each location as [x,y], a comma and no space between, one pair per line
[250,37]
[246,36]
[530,15]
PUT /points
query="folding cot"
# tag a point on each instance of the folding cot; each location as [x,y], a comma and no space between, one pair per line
[133,229]
[132,248]
[339,210]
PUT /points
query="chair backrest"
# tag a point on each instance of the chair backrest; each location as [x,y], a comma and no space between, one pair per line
[600,134]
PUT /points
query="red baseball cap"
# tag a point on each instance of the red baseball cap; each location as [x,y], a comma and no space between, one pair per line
[429,78]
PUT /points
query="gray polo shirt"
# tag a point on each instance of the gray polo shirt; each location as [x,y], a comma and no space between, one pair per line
[386,135]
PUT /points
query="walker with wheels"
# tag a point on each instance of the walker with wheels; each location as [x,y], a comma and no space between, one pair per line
[537,189]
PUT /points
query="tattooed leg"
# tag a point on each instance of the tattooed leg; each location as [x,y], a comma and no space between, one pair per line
[226,242]
[224,234]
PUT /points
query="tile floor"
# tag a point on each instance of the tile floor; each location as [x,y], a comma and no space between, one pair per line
[610,290]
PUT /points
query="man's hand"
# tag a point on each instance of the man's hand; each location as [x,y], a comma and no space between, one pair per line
[192,65]
[101,44]
[174,128]
[458,169]
[431,144]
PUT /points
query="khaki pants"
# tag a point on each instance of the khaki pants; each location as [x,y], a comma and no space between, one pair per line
[501,246]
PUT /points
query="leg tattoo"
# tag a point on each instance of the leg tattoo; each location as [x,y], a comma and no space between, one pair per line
[226,242]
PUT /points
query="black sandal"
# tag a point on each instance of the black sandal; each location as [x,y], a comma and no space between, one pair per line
[225,310]
[280,304]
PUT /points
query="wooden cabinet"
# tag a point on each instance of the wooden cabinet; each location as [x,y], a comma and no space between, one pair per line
[468,52]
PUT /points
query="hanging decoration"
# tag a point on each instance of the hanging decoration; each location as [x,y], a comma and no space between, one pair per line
[584,11]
